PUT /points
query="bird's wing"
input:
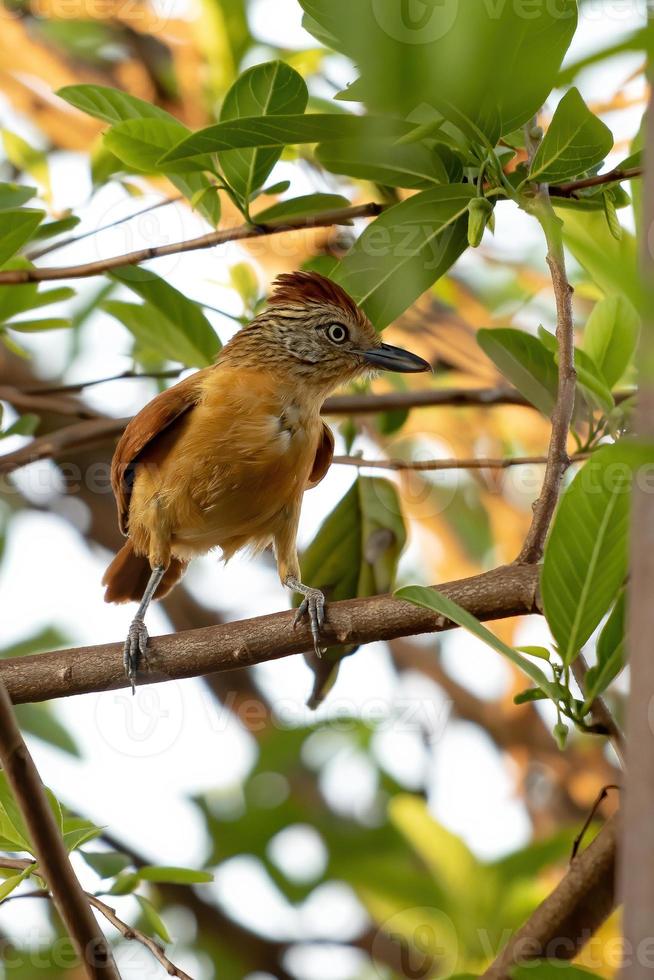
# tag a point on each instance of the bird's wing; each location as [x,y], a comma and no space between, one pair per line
[323,458]
[157,417]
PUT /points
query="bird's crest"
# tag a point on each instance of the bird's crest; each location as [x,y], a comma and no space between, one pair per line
[314,289]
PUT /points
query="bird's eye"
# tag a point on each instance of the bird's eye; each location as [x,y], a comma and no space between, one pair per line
[337,333]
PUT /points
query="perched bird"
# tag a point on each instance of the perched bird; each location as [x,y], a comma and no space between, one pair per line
[222,459]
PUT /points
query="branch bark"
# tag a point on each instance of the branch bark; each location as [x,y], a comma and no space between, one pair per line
[338,216]
[503,592]
[562,924]
[557,457]
[429,465]
[637,857]
[53,860]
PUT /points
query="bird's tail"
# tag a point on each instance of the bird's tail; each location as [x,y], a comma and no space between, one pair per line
[128,574]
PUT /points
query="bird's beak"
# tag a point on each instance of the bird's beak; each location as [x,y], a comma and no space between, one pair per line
[395,359]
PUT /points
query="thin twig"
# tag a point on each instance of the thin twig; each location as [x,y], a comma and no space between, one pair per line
[613,176]
[50,850]
[130,932]
[55,246]
[503,592]
[126,931]
[11,277]
[557,457]
[25,401]
[76,387]
[474,463]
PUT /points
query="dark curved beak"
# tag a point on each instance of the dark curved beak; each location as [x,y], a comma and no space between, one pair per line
[395,359]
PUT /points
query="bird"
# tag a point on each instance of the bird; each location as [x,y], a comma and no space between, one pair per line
[222,458]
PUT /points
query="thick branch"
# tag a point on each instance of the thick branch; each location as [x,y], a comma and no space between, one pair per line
[557,457]
[503,592]
[339,216]
[49,848]
[562,924]
[637,853]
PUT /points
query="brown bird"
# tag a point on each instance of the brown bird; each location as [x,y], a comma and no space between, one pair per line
[222,459]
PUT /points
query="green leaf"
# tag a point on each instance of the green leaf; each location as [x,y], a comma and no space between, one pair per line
[125,883]
[13,195]
[37,326]
[545,970]
[270,89]
[524,361]
[50,229]
[541,652]
[410,165]
[284,130]
[531,694]
[575,142]
[611,335]
[432,599]
[17,227]
[106,864]
[110,104]
[611,264]
[355,553]
[153,919]
[142,132]
[585,559]
[39,720]
[592,382]
[308,204]
[449,56]
[10,884]
[12,822]
[610,653]
[182,332]
[25,425]
[172,875]
[140,143]
[27,159]
[81,835]
[405,250]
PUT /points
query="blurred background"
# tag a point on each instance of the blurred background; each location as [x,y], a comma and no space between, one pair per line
[417,801]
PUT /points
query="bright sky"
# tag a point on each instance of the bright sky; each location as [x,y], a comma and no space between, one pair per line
[145,756]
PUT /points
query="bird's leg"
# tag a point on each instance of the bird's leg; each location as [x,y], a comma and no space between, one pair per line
[313,606]
[137,635]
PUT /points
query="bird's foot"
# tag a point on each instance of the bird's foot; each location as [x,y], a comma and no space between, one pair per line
[312,606]
[135,649]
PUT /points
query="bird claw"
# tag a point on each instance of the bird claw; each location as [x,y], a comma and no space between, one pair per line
[313,606]
[135,649]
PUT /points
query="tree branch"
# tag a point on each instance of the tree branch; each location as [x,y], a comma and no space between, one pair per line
[429,465]
[613,176]
[557,457]
[126,931]
[49,848]
[637,854]
[503,592]
[339,216]
[563,923]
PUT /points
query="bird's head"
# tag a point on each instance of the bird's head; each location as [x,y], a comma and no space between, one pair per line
[314,331]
